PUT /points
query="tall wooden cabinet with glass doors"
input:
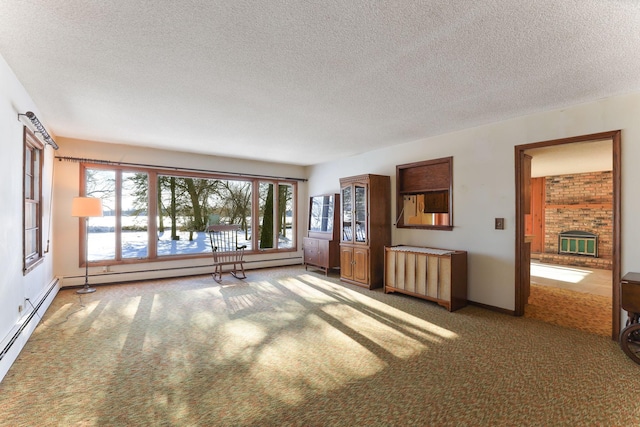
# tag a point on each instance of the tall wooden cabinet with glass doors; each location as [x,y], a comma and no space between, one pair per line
[321,247]
[365,228]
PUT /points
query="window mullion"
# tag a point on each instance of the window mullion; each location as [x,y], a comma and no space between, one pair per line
[152,214]
[255,217]
[276,214]
[118,226]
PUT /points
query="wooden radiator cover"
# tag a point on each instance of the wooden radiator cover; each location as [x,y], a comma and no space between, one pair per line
[437,275]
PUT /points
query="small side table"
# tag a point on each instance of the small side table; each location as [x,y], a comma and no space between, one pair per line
[630,296]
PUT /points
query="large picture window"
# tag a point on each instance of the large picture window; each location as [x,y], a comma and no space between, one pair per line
[150,214]
[32,188]
[186,206]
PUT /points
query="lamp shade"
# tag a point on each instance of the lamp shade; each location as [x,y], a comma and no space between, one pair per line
[86,206]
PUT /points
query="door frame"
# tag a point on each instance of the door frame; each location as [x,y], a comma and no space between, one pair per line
[520,285]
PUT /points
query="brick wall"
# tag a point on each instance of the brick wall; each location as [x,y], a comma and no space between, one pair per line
[579,189]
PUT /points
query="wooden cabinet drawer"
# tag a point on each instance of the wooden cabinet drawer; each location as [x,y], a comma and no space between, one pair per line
[320,253]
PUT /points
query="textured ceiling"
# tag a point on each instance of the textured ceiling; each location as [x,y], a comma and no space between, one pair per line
[308,82]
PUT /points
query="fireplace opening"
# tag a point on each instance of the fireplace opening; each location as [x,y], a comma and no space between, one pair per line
[577,242]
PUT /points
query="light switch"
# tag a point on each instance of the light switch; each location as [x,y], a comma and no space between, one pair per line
[499,223]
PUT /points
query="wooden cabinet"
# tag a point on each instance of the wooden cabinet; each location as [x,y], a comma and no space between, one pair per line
[365,228]
[354,264]
[321,253]
[437,275]
[321,247]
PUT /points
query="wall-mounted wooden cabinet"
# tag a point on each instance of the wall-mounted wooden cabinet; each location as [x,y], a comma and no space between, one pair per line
[365,224]
[424,194]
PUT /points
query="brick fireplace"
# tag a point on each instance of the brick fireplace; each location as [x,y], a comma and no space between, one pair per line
[582,202]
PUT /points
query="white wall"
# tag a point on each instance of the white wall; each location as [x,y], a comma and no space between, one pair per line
[67,180]
[15,287]
[484,186]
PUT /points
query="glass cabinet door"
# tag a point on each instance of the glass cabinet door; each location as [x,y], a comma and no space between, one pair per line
[360,213]
[321,214]
[347,213]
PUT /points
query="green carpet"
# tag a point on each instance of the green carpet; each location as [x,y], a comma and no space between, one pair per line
[287,347]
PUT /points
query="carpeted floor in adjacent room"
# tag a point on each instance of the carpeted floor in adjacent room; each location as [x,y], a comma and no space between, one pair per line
[571,309]
[289,347]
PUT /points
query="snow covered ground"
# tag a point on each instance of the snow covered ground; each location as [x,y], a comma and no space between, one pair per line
[102,240]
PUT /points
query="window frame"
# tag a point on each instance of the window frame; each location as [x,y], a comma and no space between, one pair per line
[152,209]
[256,206]
[32,195]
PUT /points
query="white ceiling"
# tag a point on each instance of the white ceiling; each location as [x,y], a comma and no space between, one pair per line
[307,82]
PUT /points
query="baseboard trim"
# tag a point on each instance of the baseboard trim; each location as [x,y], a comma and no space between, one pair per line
[111,277]
[493,308]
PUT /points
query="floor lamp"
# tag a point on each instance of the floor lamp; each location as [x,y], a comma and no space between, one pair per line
[85,207]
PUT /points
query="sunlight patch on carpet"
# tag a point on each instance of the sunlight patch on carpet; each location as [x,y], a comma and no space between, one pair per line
[560,273]
[376,332]
[292,363]
[238,340]
[399,318]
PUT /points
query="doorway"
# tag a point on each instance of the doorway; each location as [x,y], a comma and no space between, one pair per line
[523,208]
[571,296]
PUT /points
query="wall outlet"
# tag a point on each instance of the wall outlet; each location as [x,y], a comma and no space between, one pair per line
[499,223]
[19,309]
[105,269]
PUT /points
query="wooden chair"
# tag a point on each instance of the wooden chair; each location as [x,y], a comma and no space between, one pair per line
[225,250]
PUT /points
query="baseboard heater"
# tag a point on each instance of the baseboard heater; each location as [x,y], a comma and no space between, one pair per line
[26,323]
[156,270]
